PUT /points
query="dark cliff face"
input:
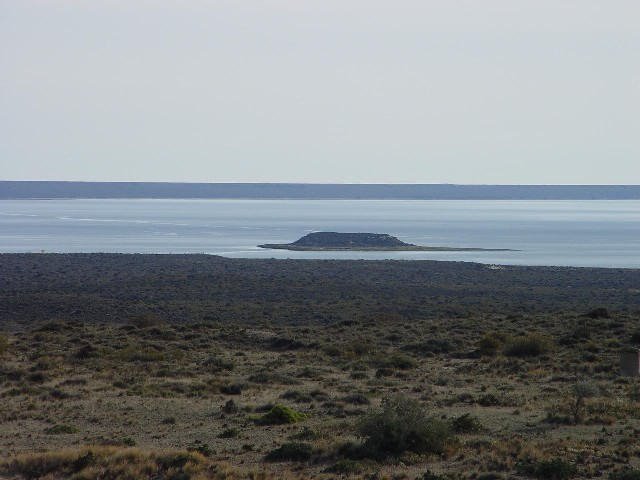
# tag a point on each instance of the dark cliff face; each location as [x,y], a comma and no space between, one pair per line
[335,239]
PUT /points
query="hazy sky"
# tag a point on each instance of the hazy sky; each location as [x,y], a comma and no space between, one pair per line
[458,91]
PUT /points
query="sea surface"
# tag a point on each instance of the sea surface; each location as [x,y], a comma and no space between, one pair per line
[590,233]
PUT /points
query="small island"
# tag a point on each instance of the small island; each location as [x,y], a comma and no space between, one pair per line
[334,241]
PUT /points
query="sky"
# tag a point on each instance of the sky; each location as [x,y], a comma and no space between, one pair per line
[328,91]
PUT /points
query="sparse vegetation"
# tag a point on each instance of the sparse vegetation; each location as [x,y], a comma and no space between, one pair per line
[361,369]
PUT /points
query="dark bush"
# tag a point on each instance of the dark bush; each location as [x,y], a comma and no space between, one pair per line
[400,426]
[283,343]
[229,433]
[430,347]
[357,399]
[466,423]
[530,345]
[231,389]
[396,360]
[61,430]
[553,469]
[346,467]
[85,352]
[599,312]
[201,448]
[491,343]
[230,407]
[292,452]
[216,363]
[489,400]
[627,474]
[297,396]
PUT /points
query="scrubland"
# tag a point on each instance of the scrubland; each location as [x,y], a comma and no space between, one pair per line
[170,367]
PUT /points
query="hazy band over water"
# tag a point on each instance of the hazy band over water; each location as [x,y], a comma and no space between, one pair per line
[574,233]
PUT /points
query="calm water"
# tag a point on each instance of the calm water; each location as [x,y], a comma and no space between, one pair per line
[578,233]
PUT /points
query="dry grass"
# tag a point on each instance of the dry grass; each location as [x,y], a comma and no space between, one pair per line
[122,463]
[190,397]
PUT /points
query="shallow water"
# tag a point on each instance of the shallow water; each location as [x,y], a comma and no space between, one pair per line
[576,233]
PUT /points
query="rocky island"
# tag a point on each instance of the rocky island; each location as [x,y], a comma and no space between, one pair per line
[332,241]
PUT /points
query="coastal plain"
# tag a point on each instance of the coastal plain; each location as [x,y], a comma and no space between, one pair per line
[196,366]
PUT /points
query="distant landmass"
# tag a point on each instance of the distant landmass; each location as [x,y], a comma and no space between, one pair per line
[333,241]
[300,191]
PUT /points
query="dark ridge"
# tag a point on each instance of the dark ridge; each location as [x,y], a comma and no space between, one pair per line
[51,189]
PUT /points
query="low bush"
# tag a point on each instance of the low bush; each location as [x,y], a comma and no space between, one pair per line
[402,426]
[292,452]
[530,345]
[217,363]
[281,414]
[491,343]
[232,389]
[305,434]
[346,467]
[466,423]
[60,429]
[552,469]
[396,360]
[229,433]
[357,399]
[430,347]
[140,354]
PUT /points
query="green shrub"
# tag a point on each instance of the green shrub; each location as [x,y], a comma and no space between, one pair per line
[530,345]
[400,426]
[281,414]
[292,452]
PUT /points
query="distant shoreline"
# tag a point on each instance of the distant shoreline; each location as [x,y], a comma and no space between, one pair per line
[53,190]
